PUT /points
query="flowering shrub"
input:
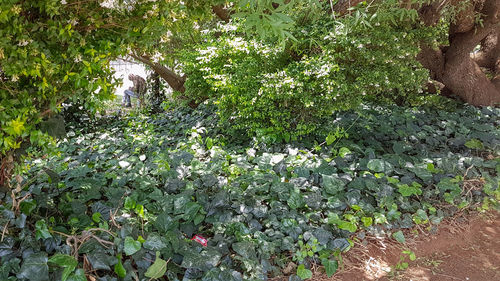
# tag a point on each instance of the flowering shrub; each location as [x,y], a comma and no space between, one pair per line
[267,90]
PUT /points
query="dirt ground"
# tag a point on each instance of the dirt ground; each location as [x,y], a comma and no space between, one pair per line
[465,248]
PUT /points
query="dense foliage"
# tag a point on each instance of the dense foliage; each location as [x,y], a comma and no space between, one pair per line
[297,147]
[55,52]
[289,91]
[127,195]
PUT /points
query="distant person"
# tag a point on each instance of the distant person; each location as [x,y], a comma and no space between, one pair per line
[137,90]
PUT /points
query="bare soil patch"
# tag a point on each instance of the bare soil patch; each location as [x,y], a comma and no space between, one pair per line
[465,248]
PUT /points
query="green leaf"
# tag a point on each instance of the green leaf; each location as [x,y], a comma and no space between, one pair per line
[79,275]
[157,269]
[41,230]
[35,268]
[379,218]
[210,143]
[343,151]
[474,144]
[347,225]
[332,185]
[333,218]
[420,217]
[131,246]
[198,219]
[295,201]
[68,262]
[331,266]
[367,221]
[96,217]
[190,210]
[399,236]
[27,206]
[129,203]
[119,269]
[303,272]
[330,139]
[410,254]
[407,190]
[15,127]
[379,165]
[164,222]
[245,249]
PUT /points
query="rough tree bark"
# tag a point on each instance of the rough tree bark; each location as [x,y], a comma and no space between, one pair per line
[454,66]
[489,53]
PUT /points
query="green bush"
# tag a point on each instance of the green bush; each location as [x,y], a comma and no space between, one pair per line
[265,89]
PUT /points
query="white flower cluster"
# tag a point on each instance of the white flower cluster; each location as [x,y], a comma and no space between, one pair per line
[207,54]
[24,42]
[78,58]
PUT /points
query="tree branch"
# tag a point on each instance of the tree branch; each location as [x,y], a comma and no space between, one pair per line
[489,53]
[173,79]
[463,43]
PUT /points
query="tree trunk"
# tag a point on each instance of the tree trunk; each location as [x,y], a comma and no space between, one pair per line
[466,80]
[489,53]
[173,79]
[453,66]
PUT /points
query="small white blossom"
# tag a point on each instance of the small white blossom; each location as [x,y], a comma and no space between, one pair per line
[14,78]
[63,2]
[73,22]
[23,43]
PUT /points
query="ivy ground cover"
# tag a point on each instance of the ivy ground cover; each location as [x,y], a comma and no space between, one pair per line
[172,198]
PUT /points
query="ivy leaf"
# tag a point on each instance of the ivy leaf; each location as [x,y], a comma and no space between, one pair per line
[190,210]
[41,230]
[332,185]
[331,266]
[131,246]
[347,225]
[295,201]
[399,236]
[164,222]
[407,190]
[474,144]
[157,269]
[68,262]
[27,206]
[379,165]
[330,139]
[367,221]
[79,275]
[245,249]
[379,218]
[343,151]
[119,269]
[129,203]
[303,272]
[35,268]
